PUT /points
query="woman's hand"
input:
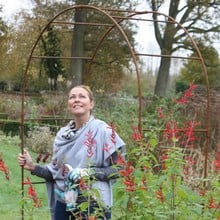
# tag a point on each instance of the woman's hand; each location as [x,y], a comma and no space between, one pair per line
[26,161]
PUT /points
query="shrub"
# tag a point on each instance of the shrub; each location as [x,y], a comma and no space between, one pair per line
[40,140]
[163,176]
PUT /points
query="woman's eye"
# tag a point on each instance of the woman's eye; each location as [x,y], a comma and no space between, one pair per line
[71,97]
[75,97]
[82,96]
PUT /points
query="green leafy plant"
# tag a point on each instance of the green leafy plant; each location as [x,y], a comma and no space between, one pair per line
[163,177]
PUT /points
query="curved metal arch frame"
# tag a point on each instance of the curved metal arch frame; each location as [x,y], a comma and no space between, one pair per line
[206,130]
[133,54]
[28,64]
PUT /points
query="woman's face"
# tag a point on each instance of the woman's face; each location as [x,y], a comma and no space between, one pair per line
[79,102]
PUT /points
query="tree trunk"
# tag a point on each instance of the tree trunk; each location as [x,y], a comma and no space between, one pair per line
[78,45]
[162,82]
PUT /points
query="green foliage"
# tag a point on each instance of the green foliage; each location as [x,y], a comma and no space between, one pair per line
[181,86]
[51,47]
[120,111]
[200,21]
[165,185]
[161,179]
[192,70]
[10,198]
[3,85]
[112,58]
[12,127]
[3,115]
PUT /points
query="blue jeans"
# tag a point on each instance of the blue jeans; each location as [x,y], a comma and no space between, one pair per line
[62,214]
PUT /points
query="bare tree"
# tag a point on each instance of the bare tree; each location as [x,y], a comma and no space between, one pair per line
[200,18]
[78,43]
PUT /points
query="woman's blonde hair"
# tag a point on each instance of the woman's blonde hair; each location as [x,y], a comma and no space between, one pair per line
[87,88]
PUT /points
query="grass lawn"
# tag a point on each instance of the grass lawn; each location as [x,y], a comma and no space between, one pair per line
[10,190]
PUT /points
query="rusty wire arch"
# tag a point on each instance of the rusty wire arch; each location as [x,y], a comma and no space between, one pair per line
[116,24]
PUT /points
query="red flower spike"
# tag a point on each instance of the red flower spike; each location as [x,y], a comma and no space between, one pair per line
[202,192]
[144,183]
[159,194]
[216,166]
[136,136]
[171,131]
[120,160]
[4,169]
[186,95]
[128,179]
[217,156]
[163,159]
[32,193]
[212,204]
[189,134]
[82,184]
[27,181]
[160,113]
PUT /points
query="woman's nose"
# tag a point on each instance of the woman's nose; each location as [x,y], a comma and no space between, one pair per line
[76,99]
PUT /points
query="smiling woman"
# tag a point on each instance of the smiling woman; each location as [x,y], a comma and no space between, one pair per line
[80,104]
[84,165]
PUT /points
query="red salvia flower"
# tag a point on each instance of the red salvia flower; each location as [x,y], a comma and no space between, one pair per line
[186,95]
[4,169]
[216,165]
[136,136]
[82,184]
[32,193]
[90,143]
[213,204]
[202,192]
[27,181]
[217,155]
[159,194]
[216,162]
[129,182]
[120,160]
[163,159]
[128,170]
[128,179]
[145,168]
[171,131]
[189,162]
[144,183]
[189,134]
[160,113]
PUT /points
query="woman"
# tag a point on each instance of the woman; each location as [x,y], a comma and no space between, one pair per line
[84,163]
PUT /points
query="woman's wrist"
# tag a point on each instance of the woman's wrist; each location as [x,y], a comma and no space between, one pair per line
[32,167]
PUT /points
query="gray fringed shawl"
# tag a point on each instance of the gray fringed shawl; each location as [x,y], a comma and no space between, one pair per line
[92,145]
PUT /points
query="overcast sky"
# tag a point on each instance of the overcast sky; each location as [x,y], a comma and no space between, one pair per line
[145,35]
[10,7]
